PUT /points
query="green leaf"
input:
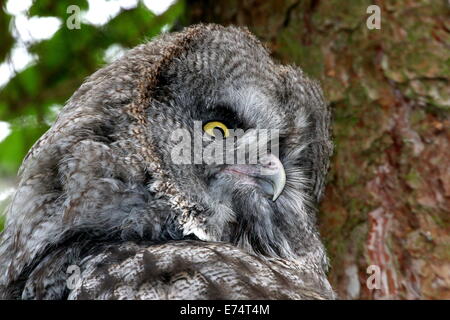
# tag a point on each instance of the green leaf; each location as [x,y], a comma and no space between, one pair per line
[44,8]
[7,40]
[24,132]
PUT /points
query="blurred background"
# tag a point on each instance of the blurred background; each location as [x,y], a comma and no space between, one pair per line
[387,203]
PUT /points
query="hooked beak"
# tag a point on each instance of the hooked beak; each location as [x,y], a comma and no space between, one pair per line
[272,170]
[269,172]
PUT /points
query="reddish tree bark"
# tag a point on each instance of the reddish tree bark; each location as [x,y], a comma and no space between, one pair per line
[388,199]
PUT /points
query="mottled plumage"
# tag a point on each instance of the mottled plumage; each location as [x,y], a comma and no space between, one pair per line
[100,191]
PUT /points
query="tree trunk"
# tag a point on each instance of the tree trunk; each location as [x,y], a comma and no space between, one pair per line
[387,203]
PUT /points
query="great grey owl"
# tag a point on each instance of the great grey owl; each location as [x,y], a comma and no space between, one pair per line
[101,194]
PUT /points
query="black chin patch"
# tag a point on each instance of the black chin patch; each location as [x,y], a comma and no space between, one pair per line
[191,236]
[255,222]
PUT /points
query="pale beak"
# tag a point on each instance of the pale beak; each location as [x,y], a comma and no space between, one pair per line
[269,173]
[272,170]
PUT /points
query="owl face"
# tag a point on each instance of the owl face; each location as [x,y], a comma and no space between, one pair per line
[230,85]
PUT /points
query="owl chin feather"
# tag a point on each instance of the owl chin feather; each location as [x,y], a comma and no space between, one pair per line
[258,224]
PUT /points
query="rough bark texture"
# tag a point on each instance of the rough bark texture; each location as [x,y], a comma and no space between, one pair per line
[388,198]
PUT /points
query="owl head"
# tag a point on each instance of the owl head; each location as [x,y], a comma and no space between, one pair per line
[225,81]
[110,168]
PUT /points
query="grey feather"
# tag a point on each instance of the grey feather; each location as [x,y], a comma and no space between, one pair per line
[99,190]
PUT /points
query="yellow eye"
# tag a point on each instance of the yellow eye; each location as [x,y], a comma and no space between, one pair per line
[211,126]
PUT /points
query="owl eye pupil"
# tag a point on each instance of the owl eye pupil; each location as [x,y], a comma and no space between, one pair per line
[222,132]
[211,127]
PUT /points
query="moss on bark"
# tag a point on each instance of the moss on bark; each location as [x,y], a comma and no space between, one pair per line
[388,198]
